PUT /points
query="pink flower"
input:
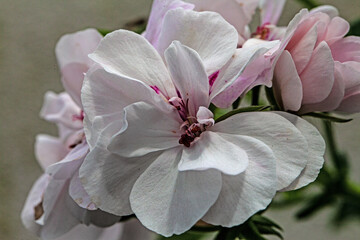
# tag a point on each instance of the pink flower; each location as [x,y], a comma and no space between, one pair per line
[58,196]
[319,68]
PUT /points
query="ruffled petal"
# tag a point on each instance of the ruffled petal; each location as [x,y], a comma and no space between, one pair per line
[130,55]
[316,151]
[109,178]
[188,75]
[168,201]
[105,95]
[197,31]
[147,129]
[328,9]
[285,140]
[245,194]
[346,49]
[83,232]
[212,151]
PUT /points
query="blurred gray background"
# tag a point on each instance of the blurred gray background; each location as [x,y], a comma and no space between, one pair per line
[29,30]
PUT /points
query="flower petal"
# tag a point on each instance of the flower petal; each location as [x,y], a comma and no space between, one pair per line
[33,199]
[49,150]
[351,103]
[72,80]
[328,9]
[75,47]
[271,11]
[188,75]
[332,101]
[346,49]
[158,10]
[318,76]
[130,55]
[147,129]
[83,232]
[104,97]
[336,30]
[287,83]
[61,109]
[66,168]
[168,201]
[245,194]
[285,140]
[212,151]
[239,68]
[79,195]
[197,31]
[109,178]
[316,151]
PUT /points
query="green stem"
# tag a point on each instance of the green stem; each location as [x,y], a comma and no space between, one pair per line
[309,3]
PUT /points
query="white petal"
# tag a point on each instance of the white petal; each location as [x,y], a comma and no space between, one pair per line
[147,129]
[243,195]
[316,151]
[286,141]
[205,116]
[66,168]
[79,195]
[104,97]
[189,76]
[130,55]
[207,33]
[212,151]
[49,150]
[72,80]
[171,202]
[33,199]
[158,10]
[109,178]
[61,109]
[58,215]
[75,47]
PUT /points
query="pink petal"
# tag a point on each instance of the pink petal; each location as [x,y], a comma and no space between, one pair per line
[318,76]
[287,83]
[346,49]
[336,30]
[271,11]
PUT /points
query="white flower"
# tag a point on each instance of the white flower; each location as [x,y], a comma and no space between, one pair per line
[156,150]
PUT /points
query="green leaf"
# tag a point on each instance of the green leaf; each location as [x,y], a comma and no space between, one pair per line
[315,204]
[103,31]
[269,231]
[262,220]
[241,110]
[328,117]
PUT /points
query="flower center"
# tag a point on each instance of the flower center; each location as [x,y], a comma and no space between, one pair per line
[262,32]
[193,131]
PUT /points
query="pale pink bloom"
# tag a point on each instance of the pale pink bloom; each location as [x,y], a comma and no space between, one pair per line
[319,68]
[58,203]
[156,150]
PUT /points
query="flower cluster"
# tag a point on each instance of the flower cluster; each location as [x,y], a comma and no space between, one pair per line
[137,131]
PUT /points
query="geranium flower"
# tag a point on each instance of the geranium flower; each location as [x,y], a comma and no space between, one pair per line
[156,150]
[316,72]
[58,196]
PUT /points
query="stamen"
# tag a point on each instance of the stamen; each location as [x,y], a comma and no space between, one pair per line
[262,32]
